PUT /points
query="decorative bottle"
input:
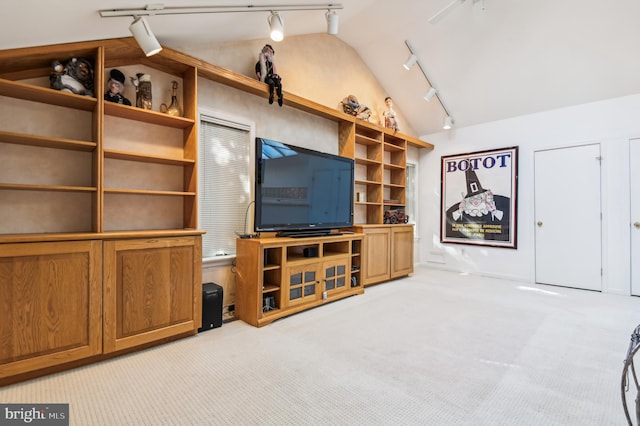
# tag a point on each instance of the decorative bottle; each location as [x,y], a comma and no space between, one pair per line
[174,107]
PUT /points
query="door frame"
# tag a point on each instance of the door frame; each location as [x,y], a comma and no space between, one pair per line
[633,291]
[603,204]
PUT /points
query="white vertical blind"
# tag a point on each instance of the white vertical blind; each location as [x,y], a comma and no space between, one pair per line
[410,193]
[225,183]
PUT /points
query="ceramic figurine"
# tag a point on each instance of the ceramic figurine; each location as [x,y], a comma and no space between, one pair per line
[389,116]
[115,86]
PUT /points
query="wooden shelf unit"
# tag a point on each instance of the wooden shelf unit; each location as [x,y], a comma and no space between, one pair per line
[388,250]
[164,161]
[99,200]
[113,178]
[380,156]
[380,184]
[278,277]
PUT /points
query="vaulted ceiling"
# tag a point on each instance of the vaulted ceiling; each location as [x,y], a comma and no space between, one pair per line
[488,59]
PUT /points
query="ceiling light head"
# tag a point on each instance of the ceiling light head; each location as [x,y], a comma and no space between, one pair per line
[276,26]
[430,94]
[410,62]
[448,123]
[332,22]
[144,36]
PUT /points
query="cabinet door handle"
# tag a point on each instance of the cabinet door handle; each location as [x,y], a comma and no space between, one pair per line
[637,225]
[539,224]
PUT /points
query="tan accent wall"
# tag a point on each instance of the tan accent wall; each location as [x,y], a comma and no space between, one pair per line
[319,67]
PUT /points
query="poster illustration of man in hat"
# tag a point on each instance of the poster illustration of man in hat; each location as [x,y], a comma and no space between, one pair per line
[479,198]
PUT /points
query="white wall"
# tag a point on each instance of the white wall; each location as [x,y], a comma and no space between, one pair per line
[611,123]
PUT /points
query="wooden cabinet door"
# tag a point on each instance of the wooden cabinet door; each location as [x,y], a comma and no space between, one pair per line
[152,290]
[376,247]
[401,251]
[50,304]
[302,284]
[336,276]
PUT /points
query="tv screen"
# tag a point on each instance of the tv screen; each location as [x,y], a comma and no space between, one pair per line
[301,190]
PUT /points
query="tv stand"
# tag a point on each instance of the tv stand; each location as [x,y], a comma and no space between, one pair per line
[277,277]
[305,234]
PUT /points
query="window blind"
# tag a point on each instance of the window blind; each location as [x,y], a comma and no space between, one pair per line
[224,184]
[410,193]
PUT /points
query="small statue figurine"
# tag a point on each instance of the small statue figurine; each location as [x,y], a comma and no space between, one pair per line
[143,90]
[266,72]
[115,86]
[76,76]
[389,116]
[351,106]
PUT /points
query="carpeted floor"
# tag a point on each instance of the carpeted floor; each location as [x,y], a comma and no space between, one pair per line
[437,348]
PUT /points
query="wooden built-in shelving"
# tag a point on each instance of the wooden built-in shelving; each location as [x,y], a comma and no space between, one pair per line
[71,215]
[74,205]
[46,142]
[147,116]
[28,92]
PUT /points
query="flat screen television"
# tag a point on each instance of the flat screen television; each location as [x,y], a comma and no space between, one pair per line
[299,191]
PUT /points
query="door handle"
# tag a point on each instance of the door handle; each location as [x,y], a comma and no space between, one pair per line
[637,225]
[539,223]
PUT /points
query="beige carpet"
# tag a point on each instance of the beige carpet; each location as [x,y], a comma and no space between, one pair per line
[437,348]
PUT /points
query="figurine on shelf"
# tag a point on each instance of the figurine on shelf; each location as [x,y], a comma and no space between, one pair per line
[389,116]
[115,86]
[351,106]
[76,76]
[174,108]
[142,82]
[266,72]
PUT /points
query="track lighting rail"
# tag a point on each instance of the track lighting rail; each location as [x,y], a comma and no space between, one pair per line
[413,59]
[161,9]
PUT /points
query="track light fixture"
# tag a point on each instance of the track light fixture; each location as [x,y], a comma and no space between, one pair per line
[413,59]
[275,20]
[410,62]
[141,31]
[432,91]
[332,22]
[276,26]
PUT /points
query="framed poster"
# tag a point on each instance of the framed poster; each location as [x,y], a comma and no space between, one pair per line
[478,198]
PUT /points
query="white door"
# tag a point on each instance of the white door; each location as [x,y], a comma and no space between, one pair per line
[568,236]
[634,175]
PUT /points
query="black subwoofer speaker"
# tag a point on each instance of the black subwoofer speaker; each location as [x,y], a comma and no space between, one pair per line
[211,306]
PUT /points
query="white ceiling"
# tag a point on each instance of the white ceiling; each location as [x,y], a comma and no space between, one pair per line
[489,60]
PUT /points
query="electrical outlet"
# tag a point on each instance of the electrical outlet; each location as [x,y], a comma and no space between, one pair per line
[232,308]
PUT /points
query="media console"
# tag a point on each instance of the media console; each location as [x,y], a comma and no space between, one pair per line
[280,276]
